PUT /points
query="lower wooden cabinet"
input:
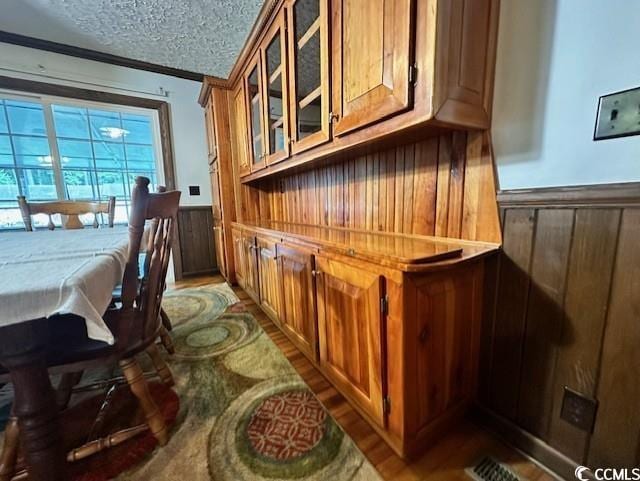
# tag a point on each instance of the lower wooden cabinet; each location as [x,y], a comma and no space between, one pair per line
[269,282]
[400,343]
[298,314]
[250,266]
[350,331]
[238,257]
[218,242]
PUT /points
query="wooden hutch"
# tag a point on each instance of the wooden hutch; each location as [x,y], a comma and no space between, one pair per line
[354,195]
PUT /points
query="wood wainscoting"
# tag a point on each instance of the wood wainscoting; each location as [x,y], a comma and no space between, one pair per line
[566,312]
[195,252]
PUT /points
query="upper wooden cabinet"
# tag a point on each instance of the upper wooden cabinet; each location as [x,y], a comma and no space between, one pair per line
[386,69]
[274,73]
[371,62]
[239,130]
[255,99]
[308,40]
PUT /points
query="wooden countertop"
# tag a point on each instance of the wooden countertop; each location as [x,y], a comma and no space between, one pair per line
[402,251]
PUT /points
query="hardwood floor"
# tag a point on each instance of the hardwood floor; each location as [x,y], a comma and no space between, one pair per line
[446,460]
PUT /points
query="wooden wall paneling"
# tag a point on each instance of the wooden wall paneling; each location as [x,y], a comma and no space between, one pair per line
[425,187]
[197,251]
[511,309]
[544,318]
[442,186]
[616,437]
[581,333]
[456,184]
[589,278]
[409,176]
[398,215]
[442,194]
[480,219]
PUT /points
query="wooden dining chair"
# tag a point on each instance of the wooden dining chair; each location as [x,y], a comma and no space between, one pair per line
[135,324]
[70,210]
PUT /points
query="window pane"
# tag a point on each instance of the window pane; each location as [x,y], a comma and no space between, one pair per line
[8,185]
[77,162]
[137,131]
[25,118]
[71,122]
[38,184]
[79,184]
[112,184]
[74,148]
[4,127]
[108,150]
[31,145]
[139,152]
[101,153]
[105,125]
[5,145]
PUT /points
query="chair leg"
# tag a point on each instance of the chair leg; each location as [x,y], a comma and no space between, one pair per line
[9,455]
[166,340]
[161,367]
[166,322]
[140,389]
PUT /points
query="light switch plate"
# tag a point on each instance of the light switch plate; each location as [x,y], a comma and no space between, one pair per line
[618,115]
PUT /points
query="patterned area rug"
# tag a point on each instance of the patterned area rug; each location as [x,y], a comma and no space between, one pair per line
[244,413]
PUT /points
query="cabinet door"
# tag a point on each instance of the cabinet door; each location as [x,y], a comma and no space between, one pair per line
[298,314]
[210,125]
[253,86]
[218,240]
[275,87]
[350,332]
[371,77]
[238,257]
[240,137]
[270,286]
[250,266]
[218,237]
[308,38]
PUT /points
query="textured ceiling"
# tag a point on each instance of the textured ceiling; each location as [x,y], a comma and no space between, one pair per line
[203,36]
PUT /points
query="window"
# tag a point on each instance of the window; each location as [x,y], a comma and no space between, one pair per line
[58,149]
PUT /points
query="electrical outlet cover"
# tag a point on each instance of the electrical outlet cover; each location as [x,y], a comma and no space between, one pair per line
[618,115]
[578,409]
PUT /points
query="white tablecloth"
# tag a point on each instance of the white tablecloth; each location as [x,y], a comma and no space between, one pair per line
[43,273]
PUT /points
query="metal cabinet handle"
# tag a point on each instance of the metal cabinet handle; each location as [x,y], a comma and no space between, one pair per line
[315,273]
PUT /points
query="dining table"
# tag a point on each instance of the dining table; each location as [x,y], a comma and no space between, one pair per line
[45,275]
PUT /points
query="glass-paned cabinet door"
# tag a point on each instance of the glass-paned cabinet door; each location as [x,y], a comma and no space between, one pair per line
[256,126]
[309,73]
[276,100]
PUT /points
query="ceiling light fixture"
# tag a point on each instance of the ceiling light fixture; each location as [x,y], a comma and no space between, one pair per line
[113,132]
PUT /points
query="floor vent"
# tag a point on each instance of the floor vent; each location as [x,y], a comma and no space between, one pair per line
[488,469]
